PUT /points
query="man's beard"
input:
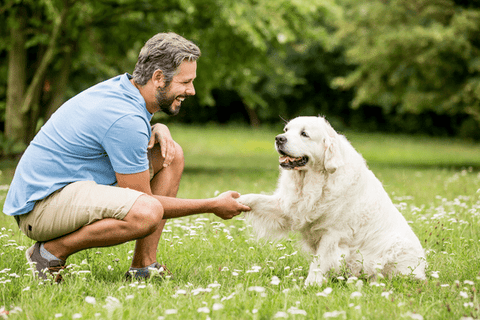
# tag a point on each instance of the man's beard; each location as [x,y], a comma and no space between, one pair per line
[165,102]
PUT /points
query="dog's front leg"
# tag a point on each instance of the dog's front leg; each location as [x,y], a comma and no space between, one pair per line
[266,217]
[329,256]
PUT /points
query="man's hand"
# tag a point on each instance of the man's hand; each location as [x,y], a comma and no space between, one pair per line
[227,207]
[162,136]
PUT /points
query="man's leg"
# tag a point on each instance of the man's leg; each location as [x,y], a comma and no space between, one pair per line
[165,182]
[141,221]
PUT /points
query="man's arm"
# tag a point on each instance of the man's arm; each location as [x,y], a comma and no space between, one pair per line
[224,206]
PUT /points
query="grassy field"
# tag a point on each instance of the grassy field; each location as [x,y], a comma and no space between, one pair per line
[221,272]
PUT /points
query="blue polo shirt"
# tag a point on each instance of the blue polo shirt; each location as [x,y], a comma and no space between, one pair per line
[102,130]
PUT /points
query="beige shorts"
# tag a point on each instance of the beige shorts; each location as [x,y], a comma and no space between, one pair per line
[74,206]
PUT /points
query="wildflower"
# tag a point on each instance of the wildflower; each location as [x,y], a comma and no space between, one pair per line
[203,310]
[77,316]
[58,315]
[280,314]
[217,306]
[325,292]
[201,290]
[295,310]
[90,300]
[275,281]
[356,294]
[464,295]
[171,311]
[112,304]
[228,298]
[333,314]
[351,279]
[434,274]
[414,316]
[256,289]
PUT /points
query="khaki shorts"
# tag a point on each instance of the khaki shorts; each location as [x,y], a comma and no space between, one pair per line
[74,206]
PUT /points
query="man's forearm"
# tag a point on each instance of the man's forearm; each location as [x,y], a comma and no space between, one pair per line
[176,207]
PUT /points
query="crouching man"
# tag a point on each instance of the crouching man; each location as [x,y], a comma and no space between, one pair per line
[97,174]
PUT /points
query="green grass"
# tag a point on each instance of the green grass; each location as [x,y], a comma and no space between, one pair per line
[218,265]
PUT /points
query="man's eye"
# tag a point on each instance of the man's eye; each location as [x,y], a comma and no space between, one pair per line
[304,134]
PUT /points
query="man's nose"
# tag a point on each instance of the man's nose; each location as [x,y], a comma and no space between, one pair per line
[190,90]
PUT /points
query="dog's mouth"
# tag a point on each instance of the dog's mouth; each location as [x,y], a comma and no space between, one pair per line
[288,162]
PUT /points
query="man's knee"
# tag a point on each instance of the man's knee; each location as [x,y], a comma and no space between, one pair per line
[179,160]
[145,215]
[157,161]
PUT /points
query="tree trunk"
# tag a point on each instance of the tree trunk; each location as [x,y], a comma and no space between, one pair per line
[16,85]
[253,117]
[59,84]
[23,103]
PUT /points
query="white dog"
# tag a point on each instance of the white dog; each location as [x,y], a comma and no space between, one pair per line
[328,195]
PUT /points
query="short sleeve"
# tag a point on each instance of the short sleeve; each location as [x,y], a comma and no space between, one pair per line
[126,144]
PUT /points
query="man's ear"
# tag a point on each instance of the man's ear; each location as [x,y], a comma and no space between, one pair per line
[158,79]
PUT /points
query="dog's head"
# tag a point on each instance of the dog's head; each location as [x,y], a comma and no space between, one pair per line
[309,143]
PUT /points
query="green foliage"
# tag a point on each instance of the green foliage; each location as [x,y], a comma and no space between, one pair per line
[8,147]
[403,65]
[413,55]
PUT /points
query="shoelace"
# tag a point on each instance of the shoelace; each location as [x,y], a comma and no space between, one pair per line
[55,272]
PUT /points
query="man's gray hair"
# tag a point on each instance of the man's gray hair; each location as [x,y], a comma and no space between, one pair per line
[164,51]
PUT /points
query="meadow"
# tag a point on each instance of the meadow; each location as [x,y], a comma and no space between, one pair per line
[220,270]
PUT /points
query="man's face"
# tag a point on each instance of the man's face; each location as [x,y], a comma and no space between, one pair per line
[169,98]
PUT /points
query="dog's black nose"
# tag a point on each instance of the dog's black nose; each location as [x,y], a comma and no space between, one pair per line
[280,139]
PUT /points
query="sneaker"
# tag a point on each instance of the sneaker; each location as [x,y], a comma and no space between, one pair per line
[158,268]
[42,265]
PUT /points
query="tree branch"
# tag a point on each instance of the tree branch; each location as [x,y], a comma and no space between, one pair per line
[45,62]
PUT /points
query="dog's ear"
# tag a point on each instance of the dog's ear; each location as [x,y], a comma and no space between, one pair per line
[333,155]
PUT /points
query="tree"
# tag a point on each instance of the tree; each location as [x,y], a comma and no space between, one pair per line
[413,55]
[59,47]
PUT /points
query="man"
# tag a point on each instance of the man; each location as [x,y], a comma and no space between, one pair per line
[85,179]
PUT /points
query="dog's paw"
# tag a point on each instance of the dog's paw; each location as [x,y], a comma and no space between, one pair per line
[248,200]
[315,278]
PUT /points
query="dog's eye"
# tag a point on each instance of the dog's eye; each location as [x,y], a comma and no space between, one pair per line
[304,134]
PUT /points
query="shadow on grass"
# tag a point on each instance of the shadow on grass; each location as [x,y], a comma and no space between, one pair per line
[229,170]
[472,167]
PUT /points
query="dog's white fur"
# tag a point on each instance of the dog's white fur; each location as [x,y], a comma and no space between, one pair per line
[338,206]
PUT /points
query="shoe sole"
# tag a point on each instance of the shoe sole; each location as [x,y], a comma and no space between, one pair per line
[32,264]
